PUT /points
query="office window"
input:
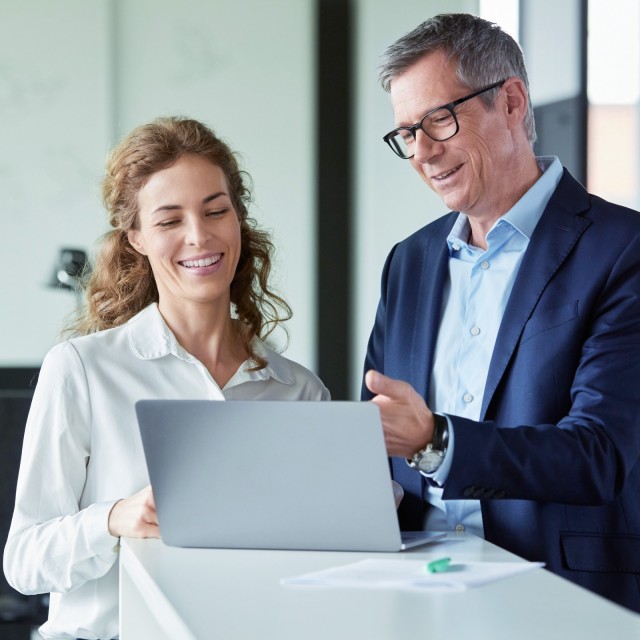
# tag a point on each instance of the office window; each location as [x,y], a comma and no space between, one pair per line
[506,13]
[613,88]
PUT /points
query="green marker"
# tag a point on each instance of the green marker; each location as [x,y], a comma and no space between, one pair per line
[438,566]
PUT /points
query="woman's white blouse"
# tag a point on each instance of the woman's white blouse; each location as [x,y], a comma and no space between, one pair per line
[82,452]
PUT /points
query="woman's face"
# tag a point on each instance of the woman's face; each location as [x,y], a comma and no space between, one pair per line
[190,232]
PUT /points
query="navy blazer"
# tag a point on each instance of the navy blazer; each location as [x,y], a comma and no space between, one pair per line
[555,457]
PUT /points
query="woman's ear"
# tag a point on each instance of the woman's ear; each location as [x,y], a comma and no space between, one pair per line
[133,235]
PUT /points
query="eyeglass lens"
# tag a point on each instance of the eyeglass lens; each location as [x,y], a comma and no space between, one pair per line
[439,125]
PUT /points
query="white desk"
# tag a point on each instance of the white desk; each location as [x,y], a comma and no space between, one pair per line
[201,594]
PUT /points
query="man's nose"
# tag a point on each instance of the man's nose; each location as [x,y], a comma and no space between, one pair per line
[426,148]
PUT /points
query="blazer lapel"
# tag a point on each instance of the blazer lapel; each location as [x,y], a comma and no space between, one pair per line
[556,234]
[413,356]
[428,302]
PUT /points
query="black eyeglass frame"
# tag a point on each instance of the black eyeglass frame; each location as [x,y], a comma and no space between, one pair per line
[449,107]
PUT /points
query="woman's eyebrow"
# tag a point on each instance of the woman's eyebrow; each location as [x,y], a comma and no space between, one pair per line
[213,196]
[176,207]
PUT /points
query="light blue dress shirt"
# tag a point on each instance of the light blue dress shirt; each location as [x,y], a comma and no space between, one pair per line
[474,301]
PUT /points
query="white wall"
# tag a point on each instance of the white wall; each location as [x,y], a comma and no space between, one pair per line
[54,108]
[391,200]
[75,76]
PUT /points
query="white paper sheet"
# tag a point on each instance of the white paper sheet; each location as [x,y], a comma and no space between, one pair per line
[410,574]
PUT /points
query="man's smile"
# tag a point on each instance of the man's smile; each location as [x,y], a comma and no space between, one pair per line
[444,175]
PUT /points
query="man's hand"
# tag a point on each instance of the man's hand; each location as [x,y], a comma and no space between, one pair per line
[406,420]
[135,517]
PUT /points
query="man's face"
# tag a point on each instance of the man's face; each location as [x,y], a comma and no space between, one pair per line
[469,171]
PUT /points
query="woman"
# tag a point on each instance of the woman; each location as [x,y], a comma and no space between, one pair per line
[176,307]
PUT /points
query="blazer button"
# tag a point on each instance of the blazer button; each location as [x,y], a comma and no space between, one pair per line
[478,493]
[499,494]
[489,493]
[469,491]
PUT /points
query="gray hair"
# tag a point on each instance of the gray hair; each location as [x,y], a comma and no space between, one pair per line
[484,54]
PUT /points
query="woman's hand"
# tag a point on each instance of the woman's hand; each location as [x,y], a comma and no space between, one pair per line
[135,517]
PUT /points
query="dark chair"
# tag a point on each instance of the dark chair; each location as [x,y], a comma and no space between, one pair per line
[19,614]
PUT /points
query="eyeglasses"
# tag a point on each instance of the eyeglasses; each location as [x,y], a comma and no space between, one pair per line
[439,124]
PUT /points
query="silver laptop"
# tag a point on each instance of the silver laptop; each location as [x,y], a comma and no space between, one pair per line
[271,475]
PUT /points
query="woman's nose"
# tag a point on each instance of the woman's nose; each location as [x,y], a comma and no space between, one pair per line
[197,234]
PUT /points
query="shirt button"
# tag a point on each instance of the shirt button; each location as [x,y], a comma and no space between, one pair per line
[475,331]
[484,265]
[467,397]
[459,528]
[455,247]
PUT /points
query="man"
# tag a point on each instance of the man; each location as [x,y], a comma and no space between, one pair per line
[505,355]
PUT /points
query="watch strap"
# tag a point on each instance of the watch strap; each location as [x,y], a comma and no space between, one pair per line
[433,454]
[440,440]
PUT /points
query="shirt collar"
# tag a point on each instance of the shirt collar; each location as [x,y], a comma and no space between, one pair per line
[150,338]
[278,367]
[526,213]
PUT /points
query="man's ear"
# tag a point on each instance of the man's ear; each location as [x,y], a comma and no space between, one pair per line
[133,236]
[516,100]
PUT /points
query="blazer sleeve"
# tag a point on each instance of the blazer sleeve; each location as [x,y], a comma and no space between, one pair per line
[587,454]
[374,358]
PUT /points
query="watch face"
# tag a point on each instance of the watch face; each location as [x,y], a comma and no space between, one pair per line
[430,461]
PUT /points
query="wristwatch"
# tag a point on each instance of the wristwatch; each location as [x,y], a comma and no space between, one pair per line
[430,458]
